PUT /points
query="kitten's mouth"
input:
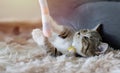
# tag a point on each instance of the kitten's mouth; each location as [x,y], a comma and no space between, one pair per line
[78,55]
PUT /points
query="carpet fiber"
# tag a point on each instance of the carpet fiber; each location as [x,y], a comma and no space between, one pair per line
[31,58]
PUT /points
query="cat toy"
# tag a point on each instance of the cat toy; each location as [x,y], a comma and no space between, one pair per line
[48,23]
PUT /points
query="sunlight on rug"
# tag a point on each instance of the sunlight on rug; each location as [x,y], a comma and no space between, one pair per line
[31,58]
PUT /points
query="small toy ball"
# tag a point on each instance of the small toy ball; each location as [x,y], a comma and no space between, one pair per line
[71,51]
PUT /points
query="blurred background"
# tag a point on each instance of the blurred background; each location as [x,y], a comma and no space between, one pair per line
[19,10]
[18,18]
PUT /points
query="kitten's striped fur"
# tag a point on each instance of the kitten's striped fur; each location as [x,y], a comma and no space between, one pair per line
[51,49]
[88,42]
[85,41]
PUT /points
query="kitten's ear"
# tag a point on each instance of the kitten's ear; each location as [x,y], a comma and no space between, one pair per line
[102,48]
[98,28]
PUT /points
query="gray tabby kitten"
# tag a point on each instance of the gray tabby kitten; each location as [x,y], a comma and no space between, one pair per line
[58,38]
[85,42]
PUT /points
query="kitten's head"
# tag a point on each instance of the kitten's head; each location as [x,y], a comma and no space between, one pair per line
[88,42]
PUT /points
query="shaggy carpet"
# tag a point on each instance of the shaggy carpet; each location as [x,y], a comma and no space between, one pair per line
[31,58]
[20,54]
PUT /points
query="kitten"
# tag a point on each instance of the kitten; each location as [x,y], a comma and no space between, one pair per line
[88,42]
[58,39]
[85,42]
[56,45]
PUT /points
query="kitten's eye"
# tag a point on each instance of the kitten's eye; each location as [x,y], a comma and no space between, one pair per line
[84,31]
[91,37]
[85,37]
[78,33]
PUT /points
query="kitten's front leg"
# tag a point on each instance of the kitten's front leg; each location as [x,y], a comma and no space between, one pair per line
[51,49]
[38,37]
[41,40]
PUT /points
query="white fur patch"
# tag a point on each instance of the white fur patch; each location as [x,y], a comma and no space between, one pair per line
[38,37]
[61,44]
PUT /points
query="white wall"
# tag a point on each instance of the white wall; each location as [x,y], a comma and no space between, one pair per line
[19,9]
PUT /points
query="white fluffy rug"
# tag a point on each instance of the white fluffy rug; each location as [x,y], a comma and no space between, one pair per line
[30,58]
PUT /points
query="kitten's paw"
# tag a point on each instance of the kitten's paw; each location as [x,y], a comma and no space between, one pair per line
[38,36]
